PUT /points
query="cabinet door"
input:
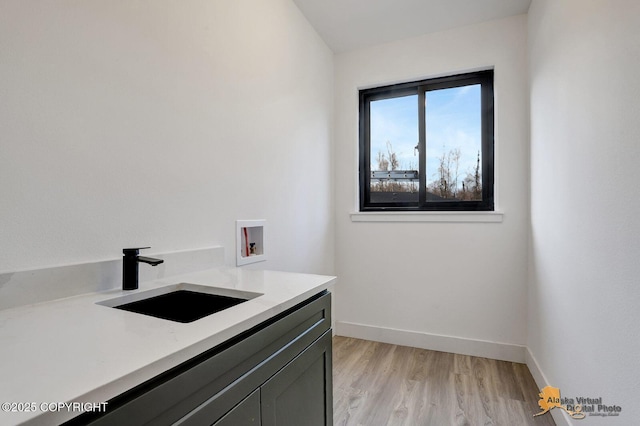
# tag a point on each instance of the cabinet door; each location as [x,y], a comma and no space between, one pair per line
[247,413]
[301,393]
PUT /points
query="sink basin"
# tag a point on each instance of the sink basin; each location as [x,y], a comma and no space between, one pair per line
[181,302]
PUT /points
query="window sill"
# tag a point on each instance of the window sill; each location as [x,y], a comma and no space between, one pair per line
[480,217]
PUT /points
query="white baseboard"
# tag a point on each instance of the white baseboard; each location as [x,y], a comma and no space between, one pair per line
[416,339]
[559,416]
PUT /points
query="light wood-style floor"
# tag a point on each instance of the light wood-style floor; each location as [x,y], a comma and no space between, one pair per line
[377,384]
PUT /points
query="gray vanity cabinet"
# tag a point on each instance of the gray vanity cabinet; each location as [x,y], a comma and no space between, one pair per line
[276,374]
[297,394]
[247,413]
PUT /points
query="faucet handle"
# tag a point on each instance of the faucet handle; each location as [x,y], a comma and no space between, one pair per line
[133,251]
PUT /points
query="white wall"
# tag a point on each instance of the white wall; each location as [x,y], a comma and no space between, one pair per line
[584,297]
[160,123]
[465,280]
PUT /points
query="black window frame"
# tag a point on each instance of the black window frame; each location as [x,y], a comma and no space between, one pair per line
[485,79]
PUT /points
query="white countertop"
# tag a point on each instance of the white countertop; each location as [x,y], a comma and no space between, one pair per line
[74,350]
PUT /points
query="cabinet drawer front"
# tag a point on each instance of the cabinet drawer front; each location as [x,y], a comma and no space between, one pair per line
[261,351]
[247,413]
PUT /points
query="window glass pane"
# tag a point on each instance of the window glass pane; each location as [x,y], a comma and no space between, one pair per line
[394,159]
[453,137]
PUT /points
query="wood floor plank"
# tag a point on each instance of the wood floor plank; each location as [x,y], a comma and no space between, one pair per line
[469,408]
[462,364]
[377,384]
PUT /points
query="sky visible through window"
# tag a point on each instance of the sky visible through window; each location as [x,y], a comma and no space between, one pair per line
[453,122]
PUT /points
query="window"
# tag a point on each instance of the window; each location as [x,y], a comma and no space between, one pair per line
[428,145]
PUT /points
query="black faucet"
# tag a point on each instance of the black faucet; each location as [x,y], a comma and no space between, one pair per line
[130,261]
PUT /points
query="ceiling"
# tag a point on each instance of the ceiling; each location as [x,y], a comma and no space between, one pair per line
[352,24]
